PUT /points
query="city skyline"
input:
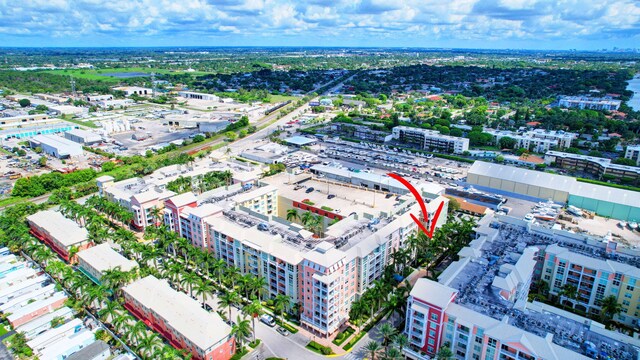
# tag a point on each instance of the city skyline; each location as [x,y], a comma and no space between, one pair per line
[495,24]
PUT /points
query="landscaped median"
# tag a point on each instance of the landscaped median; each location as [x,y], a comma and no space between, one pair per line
[365,330]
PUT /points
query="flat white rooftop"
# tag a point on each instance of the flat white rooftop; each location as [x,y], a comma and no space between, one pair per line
[181,312]
[102,257]
[63,230]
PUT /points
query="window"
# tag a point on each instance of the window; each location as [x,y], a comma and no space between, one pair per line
[434,316]
[432,342]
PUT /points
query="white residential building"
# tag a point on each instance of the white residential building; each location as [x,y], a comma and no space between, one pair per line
[430,140]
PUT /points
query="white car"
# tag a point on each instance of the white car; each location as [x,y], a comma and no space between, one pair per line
[268,320]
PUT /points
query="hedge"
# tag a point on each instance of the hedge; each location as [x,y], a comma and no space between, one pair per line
[253,344]
[239,354]
[326,208]
[355,340]
[343,336]
[319,348]
[291,329]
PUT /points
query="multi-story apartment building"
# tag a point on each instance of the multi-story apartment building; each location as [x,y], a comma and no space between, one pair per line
[594,280]
[589,103]
[262,200]
[61,234]
[633,152]
[94,261]
[359,132]
[140,197]
[537,140]
[430,140]
[325,280]
[596,166]
[174,206]
[180,319]
[194,227]
[433,321]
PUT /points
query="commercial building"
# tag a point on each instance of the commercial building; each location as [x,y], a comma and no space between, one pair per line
[362,132]
[180,319]
[596,166]
[300,141]
[603,200]
[56,146]
[46,127]
[430,140]
[83,137]
[589,103]
[22,119]
[61,234]
[134,90]
[633,152]
[198,96]
[594,279]
[94,261]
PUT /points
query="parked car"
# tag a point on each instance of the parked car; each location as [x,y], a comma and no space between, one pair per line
[331,196]
[310,189]
[283,331]
[268,320]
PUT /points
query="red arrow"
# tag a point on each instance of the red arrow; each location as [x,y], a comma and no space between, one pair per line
[423,207]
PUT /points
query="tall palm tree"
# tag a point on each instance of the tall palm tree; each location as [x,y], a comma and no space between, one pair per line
[241,330]
[258,286]
[188,280]
[254,309]
[373,347]
[148,343]
[218,266]
[306,218]
[228,299]
[281,302]
[393,354]
[610,308]
[569,291]
[292,215]
[136,332]
[388,332]
[401,341]
[205,289]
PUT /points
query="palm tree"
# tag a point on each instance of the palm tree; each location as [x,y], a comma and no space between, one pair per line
[306,218]
[188,280]
[569,291]
[258,286]
[395,304]
[444,353]
[241,330]
[401,341]
[373,347]
[204,288]
[121,322]
[136,332]
[610,308]
[148,343]
[254,309]
[156,214]
[388,332]
[281,302]
[112,310]
[292,215]
[218,266]
[228,299]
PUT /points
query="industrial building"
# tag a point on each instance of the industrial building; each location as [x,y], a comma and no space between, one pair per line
[603,200]
[60,233]
[56,146]
[134,90]
[300,141]
[83,137]
[430,140]
[94,261]
[180,319]
[198,96]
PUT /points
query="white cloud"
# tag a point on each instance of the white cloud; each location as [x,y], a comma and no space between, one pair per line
[266,20]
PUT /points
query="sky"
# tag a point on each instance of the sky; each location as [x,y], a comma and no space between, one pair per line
[511,24]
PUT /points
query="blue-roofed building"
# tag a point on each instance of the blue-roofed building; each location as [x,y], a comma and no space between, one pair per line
[300,141]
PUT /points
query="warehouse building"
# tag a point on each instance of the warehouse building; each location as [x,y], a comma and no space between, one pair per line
[603,200]
[94,261]
[56,146]
[83,137]
[198,96]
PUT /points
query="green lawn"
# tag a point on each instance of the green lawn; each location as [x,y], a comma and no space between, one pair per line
[97,74]
[3,330]
[280,98]
[88,123]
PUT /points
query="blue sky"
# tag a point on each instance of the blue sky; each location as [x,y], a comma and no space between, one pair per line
[531,24]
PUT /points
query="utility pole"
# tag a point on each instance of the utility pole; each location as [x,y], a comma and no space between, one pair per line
[153,84]
[73,87]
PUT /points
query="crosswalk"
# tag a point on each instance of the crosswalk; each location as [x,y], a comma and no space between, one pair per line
[353,355]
